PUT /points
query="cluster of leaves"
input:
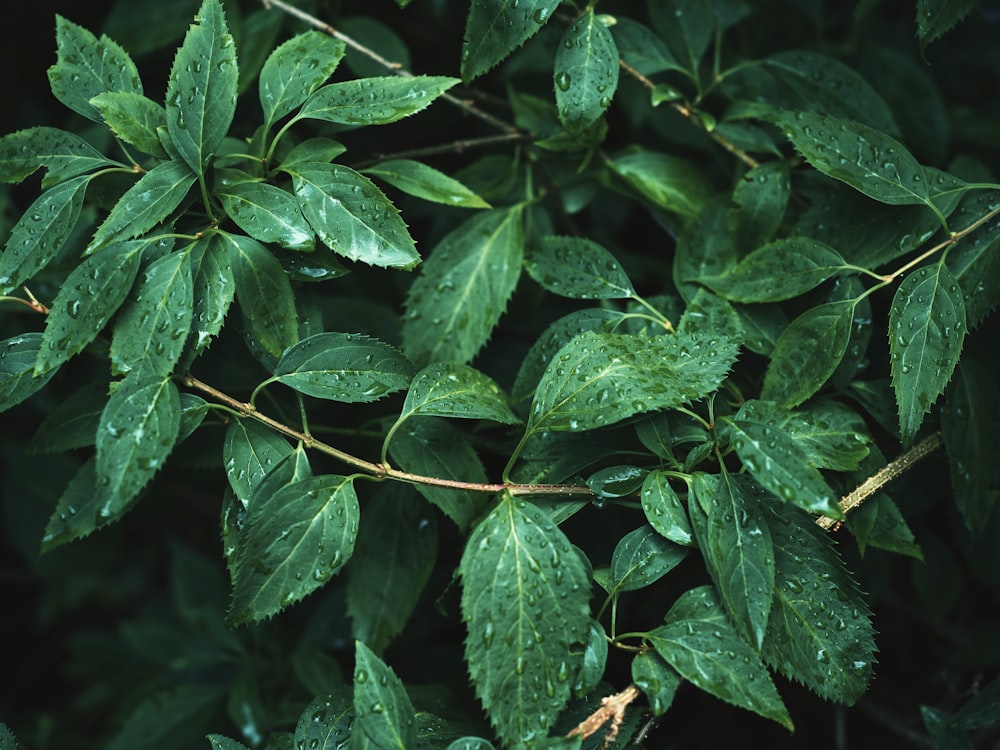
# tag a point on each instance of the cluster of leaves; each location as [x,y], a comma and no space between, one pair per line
[803,296]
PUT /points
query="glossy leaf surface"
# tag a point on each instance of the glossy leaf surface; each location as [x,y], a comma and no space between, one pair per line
[423,181]
[384,711]
[294,70]
[445,389]
[585,71]
[374,101]
[496,28]
[579,268]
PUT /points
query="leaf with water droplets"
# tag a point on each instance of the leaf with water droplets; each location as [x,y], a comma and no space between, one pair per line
[701,644]
[321,150]
[249,453]
[579,268]
[926,333]
[384,711]
[374,101]
[934,19]
[656,679]
[761,197]
[664,509]
[668,182]
[470,743]
[219,742]
[213,291]
[422,181]
[640,47]
[585,71]
[77,512]
[292,543]
[641,558]
[820,631]
[63,154]
[446,389]
[325,724]
[495,28]
[708,314]
[267,213]
[294,70]
[133,118]
[463,288]
[17,364]
[201,90]
[524,600]
[975,262]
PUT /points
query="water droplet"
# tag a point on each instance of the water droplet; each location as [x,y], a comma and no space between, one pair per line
[563,81]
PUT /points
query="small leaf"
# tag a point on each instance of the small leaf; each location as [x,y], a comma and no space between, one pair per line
[585,72]
[641,558]
[321,150]
[251,451]
[134,118]
[667,182]
[579,268]
[77,512]
[664,509]
[220,742]
[762,196]
[63,154]
[292,543]
[445,389]
[268,214]
[616,481]
[710,316]
[468,743]
[935,19]
[595,661]
[384,711]
[294,70]
[879,523]
[213,291]
[425,182]
[656,679]
[374,101]
[17,364]
[343,367]
[496,28]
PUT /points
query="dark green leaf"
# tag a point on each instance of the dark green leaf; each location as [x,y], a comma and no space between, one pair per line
[982,711]
[664,509]
[463,288]
[377,37]
[326,722]
[201,90]
[641,558]
[77,512]
[975,262]
[446,389]
[294,70]
[585,72]
[656,679]
[62,153]
[879,523]
[384,711]
[595,660]
[668,182]
[422,181]
[292,543]
[711,317]
[17,365]
[761,195]
[343,367]
[374,101]
[250,452]
[174,712]
[214,289]
[267,213]
[220,742]
[579,268]
[641,48]
[687,26]
[936,18]
[322,150]
[700,643]
[524,600]
[705,248]
[495,28]
[134,118]
[73,423]
[926,332]
[616,481]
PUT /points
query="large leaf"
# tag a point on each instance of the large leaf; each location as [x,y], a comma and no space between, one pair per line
[463,288]
[134,118]
[374,101]
[524,600]
[62,153]
[294,70]
[201,90]
[446,389]
[384,711]
[425,182]
[249,453]
[326,722]
[17,365]
[267,213]
[292,543]
[641,558]
[926,332]
[495,28]
[585,71]
[579,268]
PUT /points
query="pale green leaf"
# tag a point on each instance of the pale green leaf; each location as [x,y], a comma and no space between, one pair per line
[641,558]
[524,601]
[934,19]
[249,453]
[495,28]
[664,510]
[374,101]
[268,214]
[294,70]
[579,268]
[63,154]
[384,711]
[656,679]
[422,181]
[585,72]
[214,290]
[666,181]
[447,389]
[134,118]
[762,196]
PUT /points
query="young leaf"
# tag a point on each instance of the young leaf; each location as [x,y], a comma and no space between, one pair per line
[249,453]
[17,364]
[352,216]
[425,182]
[384,711]
[585,72]
[762,196]
[926,332]
[446,389]
[579,268]
[934,19]
[294,70]
[213,291]
[463,288]
[201,90]
[134,118]
[63,154]
[267,213]
[524,600]
[40,233]
[87,66]
[641,558]
[667,182]
[374,101]
[138,429]
[701,644]
[292,543]
[664,509]
[496,28]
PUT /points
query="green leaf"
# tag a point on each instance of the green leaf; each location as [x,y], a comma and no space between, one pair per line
[148,202]
[219,742]
[641,558]
[879,523]
[151,328]
[201,90]
[579,268]
[936,18]
[322,150]
[138,429]
[384,711]
[395,553]
[598,379]
[422,181]
[463,288]
[292,543]
[344,367]
[377,37]
[668,182]
[777,271]
[641,48]
[446,389]
[87,66]
[524,600]
[73,423]
[710,316]
[249,453]
[762,196]
[820,630]
[705,248]
[213,292]
[17,364]
[470,743]
[9,742]
[616,481]
[664,510]
[700,643]
[776,460]
[77,512]
[352,216]
[585,72]
[374,101]
[326,722]
[926,332]
[134,118]
[63,154]
[808,352]
[264,293]
[496,28]
[40,233]
[595,660]
[656,679]
[974,262]
[267,213]
[294,70]
[687,26]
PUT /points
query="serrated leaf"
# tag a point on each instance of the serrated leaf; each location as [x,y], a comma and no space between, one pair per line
[668,182]
[705,247]
[641,558]
[77,512]
[201,90]
[384,711]
[710,316]
[422,181]
[267,213]
[701,644]
[137,431]
[292,543]
[250,451]
[344,367]
[63,154]
[134,118]
[934,19]
[656,679]
[321,150]
[463,288]
[352,216]
[974,262]
[446,389]
[595,660]
[219,742]
[779,270]
[926,333]
[151,328]
[294,70]
[664,510]
[641,48]
[579,268]
[524,600]
[496,28]
[326,722]
[808,352]
[40,233]
[777,461]
[585,72]
[87,66]
[431,447]
[148,202]
[820,631]
[374,101]
[73,423]
[879,523]
[762,196]
[264,293]
[213,291]
[17,364]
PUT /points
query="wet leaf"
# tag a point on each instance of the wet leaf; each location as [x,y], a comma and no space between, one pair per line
[213,291]
[250,452]
[445,389]
[65,155]
[384,711]
[374,101]
[656,679]
[642,48]
[17,364]
[423,181]
[73,423]
[268,214]
[327,721]
[585,71]
[134,119]
[668,182]
[579,268]
[641,558]
[496,28]
[664,509]
[935,19]
[762,196]
[294,70]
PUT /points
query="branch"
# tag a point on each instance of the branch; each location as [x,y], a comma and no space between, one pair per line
[612,709]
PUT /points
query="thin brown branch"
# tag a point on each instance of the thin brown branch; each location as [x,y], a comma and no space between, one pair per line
[612,709]
[454,147]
